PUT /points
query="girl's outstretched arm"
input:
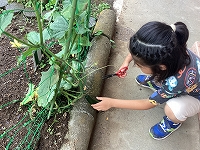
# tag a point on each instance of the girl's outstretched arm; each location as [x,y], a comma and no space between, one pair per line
[107,103]
[126,61]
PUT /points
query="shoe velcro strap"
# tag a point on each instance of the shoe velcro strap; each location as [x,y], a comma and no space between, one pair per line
[150,85]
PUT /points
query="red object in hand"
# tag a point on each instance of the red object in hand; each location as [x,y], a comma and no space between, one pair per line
[122,71]
[119,73]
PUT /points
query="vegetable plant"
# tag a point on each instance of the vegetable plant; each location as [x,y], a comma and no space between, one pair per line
[66,24]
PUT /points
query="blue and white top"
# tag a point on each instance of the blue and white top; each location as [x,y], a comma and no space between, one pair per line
[185,82]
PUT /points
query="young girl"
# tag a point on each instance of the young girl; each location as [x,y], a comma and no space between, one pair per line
[173,72]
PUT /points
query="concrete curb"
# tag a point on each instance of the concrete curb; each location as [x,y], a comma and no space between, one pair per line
[3,3]
[83,116]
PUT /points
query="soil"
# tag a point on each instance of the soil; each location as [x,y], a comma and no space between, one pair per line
[14,86]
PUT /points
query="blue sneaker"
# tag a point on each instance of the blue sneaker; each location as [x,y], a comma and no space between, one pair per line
[163,129]
[142,80]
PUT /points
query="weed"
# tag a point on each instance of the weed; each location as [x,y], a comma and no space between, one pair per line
[96,9]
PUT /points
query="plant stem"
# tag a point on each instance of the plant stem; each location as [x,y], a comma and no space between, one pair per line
[39,21]
[20,41]
[51,53]
[74,3]
[71,23]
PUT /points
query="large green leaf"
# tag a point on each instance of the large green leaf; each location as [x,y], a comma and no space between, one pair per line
[29,96]
[34,37]
[5,20]
[47,86]
[82,23]
[67,5]
[46,96]
[66,12]
[59,27]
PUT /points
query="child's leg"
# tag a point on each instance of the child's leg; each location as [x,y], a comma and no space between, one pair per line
[169,113]
[177,110]
[180,108]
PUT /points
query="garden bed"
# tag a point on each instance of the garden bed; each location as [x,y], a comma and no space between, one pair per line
[14,86]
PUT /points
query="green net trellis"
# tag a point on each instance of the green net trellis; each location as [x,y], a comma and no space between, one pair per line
[34,117]
[33,129]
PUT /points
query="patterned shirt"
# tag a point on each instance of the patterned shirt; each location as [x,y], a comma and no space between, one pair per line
[185,82]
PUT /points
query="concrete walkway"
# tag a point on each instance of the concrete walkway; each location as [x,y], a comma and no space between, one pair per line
[120,129]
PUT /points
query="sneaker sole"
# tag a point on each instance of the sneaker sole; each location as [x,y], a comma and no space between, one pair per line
[145,86]
[165,136]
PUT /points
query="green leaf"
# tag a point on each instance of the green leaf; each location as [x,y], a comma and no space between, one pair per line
[78,44]
[66,3]
[112,41]
[84,41]
[34,37]
[59,27]
[46,98]
[66,84]
[82,23]
[82,5]
[46,35]
[75,65]
[47,86]
[5,20]
[81,29]
[67,12]
[29,96]
[48,15]
[75,49]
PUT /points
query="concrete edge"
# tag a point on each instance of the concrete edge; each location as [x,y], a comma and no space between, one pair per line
[83,116]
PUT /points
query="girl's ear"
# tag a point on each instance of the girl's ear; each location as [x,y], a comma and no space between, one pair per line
[162,67]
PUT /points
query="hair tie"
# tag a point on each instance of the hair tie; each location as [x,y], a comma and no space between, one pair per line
[173,27]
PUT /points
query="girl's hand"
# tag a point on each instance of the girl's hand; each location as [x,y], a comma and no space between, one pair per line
[125,65]
[104,105]
[122,71]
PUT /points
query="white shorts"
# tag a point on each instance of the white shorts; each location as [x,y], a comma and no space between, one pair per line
[184,106]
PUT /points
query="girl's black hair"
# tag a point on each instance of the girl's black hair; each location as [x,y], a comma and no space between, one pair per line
[156,43]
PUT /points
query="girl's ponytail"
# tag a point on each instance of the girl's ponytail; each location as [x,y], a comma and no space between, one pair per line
[182,33]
